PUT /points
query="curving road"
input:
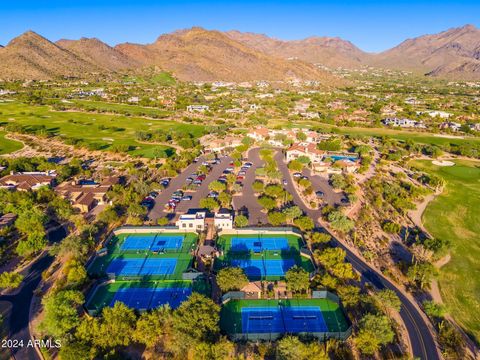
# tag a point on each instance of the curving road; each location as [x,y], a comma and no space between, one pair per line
[422,341]
[21,300]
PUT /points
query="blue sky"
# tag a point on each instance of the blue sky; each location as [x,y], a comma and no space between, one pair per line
[372,25]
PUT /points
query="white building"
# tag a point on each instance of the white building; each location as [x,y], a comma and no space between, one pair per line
[195,221]
[401,122]
[223,220]
[197,108]
[436,113]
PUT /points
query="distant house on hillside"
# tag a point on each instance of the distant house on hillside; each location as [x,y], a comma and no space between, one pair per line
[259,134]
[402,122]
[218,145]
[197,108]
[26,181]
[454,126]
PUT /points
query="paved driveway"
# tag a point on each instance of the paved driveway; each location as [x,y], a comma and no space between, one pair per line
[247,201]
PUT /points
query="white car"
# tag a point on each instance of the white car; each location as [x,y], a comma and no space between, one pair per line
[297,175]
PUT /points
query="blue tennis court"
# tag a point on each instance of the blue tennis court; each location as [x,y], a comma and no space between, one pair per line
[158,267]
[262,320]
[135,267]
[150,298]
[260,268]
[163,242]
[303,319]
[128,267]
[258,244]
[137,242]
[294,319]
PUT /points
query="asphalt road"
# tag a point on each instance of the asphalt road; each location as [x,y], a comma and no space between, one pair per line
[247,202]
[422,341]
[20,311]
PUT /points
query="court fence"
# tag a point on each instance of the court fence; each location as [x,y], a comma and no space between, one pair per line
[271,336]
[261,230]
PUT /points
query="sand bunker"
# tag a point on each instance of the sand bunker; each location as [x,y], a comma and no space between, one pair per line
[443,163]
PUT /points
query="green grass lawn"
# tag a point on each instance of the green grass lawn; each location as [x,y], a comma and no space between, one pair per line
[8,146]
[136,110]
[419,137]
[231,313]
[454,215]
[101,129]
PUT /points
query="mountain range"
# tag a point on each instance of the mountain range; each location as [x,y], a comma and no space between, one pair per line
[197,54]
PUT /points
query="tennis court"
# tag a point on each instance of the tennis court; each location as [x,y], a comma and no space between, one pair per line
[142,267]
[262,268]
[269,319]
[152,242]
[150,298]
[258,244]
[280,319]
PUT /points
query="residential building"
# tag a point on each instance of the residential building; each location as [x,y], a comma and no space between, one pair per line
[223,219]
[259,134]
[197,108]
[454,126]
[307,149]
[86,195]
[436,113]
[218,145]
[402,122]
[192,221]
[26,181]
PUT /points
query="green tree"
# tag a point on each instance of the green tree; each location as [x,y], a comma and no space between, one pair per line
[340,222]
[304,223]
[225,199]
[257,186]
[34,242]
[349,294]
[231,278]
[297,279]
[421,274]
[273,190]
[319,238]
[75,272]
[10,280]
[389,299]
[376,327]
[114,328]
[61,312]
[241,221]
[209,203]
[276,218]
[152,327]
[434,310]
[162,221]
[217,186]
[196,320]
[292,213]
[267,202]
[295,165]
[291,348]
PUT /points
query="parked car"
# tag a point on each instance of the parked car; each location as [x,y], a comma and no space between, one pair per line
[241,173]
[304,177]
[297,175]
[230,168]
[344,201]
[212,194]
[320,193]
[284,182]
[239,177]
[178,193]
[249,164]
[186,198]
[154,194]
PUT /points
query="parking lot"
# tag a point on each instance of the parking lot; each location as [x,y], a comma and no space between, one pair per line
[320,183]
[247,202]
[160,210]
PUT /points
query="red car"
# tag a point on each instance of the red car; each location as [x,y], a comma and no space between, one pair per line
[240,177]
